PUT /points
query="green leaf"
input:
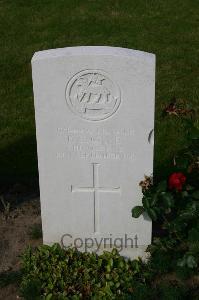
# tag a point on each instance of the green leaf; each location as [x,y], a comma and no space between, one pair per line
[110,262]
[108,270]
[168,199]
[162,186]
[189,187]
[154,199]
[186,215]
[191,262]
[99,262]
[48,297]
[188,261]
[145,202]
[196,124]
[181,262]
[152,214]
[193,235]
[182,162]
[195,195]
[137,211]
[194,134]
[185,194]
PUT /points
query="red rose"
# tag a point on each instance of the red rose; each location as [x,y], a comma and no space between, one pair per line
[176,181]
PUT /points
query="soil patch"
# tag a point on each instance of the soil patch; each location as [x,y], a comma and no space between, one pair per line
[18,229]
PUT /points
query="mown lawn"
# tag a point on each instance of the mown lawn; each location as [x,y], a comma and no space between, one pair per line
[170,29]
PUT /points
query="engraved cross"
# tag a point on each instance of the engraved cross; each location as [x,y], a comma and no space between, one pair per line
[95,189]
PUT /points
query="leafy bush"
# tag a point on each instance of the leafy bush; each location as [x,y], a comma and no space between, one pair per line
[55,273]
[173,205]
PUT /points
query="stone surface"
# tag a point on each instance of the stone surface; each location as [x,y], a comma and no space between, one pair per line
[94,109]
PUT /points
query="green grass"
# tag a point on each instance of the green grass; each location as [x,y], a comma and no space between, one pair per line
[170,29]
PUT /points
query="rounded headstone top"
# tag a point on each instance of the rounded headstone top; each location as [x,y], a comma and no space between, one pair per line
[92,50]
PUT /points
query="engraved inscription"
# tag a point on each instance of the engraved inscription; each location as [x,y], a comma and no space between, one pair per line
[95,144]
[92,95]
[95,189]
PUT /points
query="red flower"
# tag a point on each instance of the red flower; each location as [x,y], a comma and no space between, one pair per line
[176,181]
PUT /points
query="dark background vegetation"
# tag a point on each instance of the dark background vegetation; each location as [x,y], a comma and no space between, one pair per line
[170,29]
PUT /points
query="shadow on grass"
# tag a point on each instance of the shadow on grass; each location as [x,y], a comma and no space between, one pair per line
[18,163]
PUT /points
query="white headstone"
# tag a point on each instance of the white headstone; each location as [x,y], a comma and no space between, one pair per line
[94,110]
